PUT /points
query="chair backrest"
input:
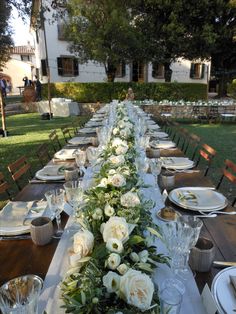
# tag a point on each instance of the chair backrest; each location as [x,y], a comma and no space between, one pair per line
[4,185]
[19,169]
[192,146]
[66,133]
[206,153]
[43,154]
[55,140]
[229,172]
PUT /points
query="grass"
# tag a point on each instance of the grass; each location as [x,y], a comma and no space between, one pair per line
[26,133]
[222,137]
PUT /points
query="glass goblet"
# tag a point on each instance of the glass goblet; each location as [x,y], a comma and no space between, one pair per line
[80,159]
[74,195]
[55,199]
[155,166]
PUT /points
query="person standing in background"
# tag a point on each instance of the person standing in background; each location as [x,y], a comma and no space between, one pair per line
[38,88]
[26,81]
[3,87]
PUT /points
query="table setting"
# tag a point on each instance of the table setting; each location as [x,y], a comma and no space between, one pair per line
[115,251]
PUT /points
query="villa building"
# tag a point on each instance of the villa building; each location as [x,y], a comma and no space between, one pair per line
[51,48]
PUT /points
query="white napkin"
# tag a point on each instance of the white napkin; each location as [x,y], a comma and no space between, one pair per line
[65,154]
[80,140]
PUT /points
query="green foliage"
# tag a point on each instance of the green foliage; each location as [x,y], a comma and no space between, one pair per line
[105,92]
[5,32]
[231,90]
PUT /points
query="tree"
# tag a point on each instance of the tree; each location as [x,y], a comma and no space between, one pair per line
[102,30]
[5,32]
[177,29]
[224,54]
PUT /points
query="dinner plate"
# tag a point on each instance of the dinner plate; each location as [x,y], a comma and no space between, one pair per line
[178,163]
[14,214]
[92,124]
[223,292]
[198,198]
[51,172]
[80,140]
[65,154]
[153,127]
[87,130]
[162,144]
[160,135]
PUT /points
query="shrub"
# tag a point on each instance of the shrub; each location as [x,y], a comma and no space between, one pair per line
[231,89]
[104,92]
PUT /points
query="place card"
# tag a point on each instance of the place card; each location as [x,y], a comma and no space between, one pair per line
[209,301]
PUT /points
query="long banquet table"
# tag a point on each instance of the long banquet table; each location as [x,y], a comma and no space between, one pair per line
[20,257]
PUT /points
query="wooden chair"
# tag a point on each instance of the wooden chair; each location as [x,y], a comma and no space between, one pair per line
[43,154]
[55,140]
[66,133]
[229,172]
[4,186]
[20,169]
[192,146]
[206,153]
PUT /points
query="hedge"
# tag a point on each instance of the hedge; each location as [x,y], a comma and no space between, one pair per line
[104,92]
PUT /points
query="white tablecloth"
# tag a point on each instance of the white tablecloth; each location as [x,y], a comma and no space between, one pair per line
[50,297]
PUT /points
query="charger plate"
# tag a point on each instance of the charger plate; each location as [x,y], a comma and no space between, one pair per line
[198,198]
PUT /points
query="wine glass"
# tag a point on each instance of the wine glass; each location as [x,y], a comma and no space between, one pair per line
[80,159]
[56,199]
[92,153]
[74,195]
[155,166]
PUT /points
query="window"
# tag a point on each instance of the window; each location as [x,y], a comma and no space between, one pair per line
[197,70]
[25,58]
[61,31]
[44,67]
[138,72]
[120,71]
[158,70]
[67,66]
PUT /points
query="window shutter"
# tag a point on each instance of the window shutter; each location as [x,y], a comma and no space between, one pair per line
[59,66]
[76,67]
[154,70]
[203,71]
[123,69]
[192,70]
[43,67]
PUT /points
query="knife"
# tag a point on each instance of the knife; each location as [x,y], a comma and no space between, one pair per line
[222,264]
[17,237]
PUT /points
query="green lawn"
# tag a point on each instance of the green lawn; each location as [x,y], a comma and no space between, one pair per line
[222,137]
[26,133]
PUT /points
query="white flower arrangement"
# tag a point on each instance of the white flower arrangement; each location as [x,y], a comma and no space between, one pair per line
[116,227]
[113,261]
[109,210]
[114,245]
[117,180]
[130,199]
[117,160]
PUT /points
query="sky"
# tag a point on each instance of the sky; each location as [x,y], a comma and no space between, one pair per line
[21,34]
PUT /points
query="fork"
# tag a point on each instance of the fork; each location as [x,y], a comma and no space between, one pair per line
[217,212]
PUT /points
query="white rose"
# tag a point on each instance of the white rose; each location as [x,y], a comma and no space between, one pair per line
[137,289]
[114,245]
[111,172]
[108,210]
[115,131]
[117,180]
[134,257]
[122,269]
[103,183]
[98,213]
[113,261]
[83,243]
[116,227]
[102,227]
[143,256]
[111,281]
[130,199]
[118,142]
[121,150]
[117,160]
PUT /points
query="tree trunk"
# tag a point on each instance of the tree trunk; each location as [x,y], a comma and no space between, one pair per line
[4,129]
[222,89]
[168,72]
[110,72]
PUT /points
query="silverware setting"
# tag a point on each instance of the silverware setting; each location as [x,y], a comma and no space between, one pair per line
[16,237]
[216,212]
[205,216]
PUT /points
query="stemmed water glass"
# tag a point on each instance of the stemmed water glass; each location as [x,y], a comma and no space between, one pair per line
[74,195]
[155,166]
[56,200]
[92,153]
[80,159]
[180,236]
